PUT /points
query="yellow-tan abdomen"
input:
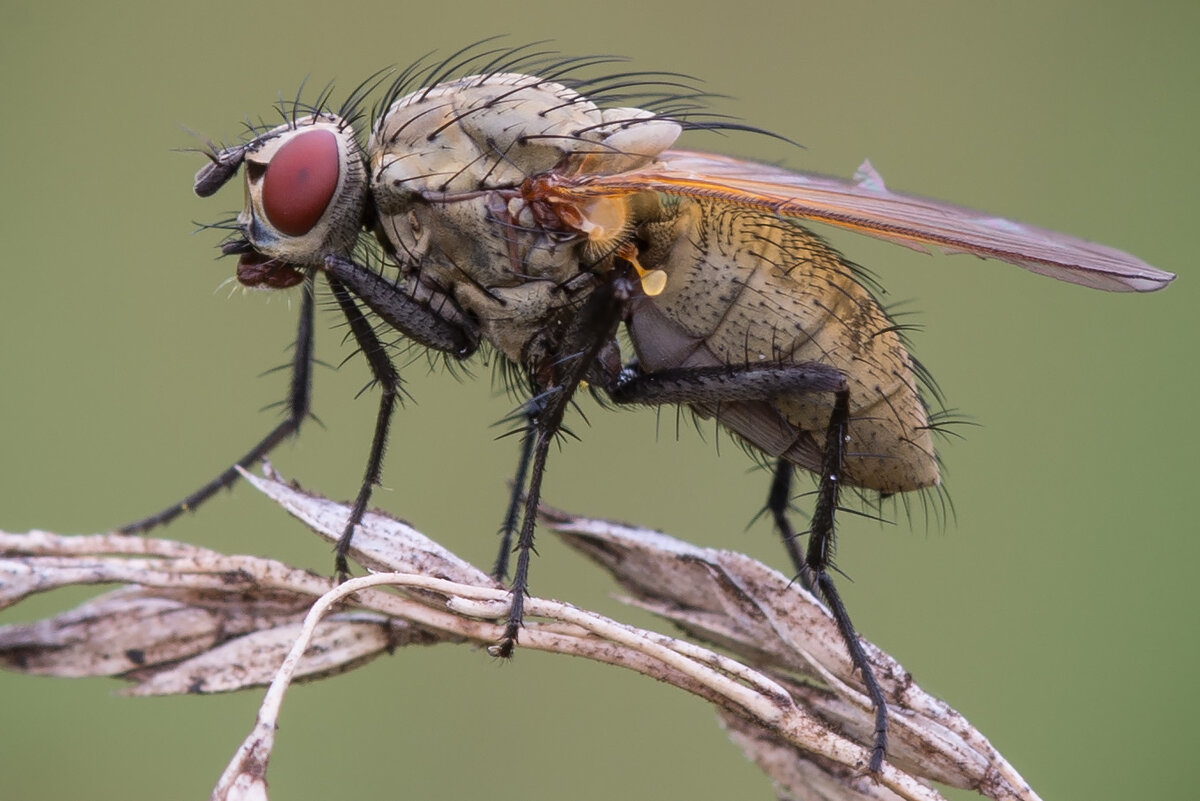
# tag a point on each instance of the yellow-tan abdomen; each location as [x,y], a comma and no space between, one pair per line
[747,287]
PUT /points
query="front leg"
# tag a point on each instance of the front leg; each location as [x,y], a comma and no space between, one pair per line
[388,379]
[297,404]
[435,325]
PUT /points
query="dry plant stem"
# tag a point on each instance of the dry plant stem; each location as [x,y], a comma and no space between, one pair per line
[199,621]
[245,776]
[644,652]
[727,598]
[716,678]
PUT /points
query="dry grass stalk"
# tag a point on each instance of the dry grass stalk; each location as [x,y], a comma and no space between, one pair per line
[189,620]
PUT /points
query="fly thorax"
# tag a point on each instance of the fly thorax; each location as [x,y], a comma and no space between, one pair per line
[447,167]
[494,131]
[463,149]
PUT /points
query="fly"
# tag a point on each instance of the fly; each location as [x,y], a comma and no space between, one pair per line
[511,211]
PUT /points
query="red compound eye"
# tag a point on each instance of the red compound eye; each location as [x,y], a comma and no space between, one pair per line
[300,181]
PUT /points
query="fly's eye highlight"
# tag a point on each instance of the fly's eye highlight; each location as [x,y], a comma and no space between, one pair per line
[300,181]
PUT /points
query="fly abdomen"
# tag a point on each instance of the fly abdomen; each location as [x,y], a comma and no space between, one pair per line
[746,288]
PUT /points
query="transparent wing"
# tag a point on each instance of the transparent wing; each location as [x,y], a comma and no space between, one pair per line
[865,205]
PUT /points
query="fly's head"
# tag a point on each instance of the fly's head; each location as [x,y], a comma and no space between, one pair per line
[305,189]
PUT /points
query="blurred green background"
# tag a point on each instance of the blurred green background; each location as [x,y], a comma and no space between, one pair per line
[1058,611]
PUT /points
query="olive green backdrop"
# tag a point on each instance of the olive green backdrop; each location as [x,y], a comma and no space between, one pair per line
[1058,611]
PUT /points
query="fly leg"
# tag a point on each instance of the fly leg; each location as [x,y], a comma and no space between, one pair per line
[728,384]
[558,374]
[778,505]
[298,398]
[544,415]
[533,408]
[513,515]
[413,316]
[819,559]
[388,379]
[422,313]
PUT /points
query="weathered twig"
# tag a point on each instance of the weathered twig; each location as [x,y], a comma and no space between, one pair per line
[194,621]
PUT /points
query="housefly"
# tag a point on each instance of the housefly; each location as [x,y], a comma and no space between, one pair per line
[543,217]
